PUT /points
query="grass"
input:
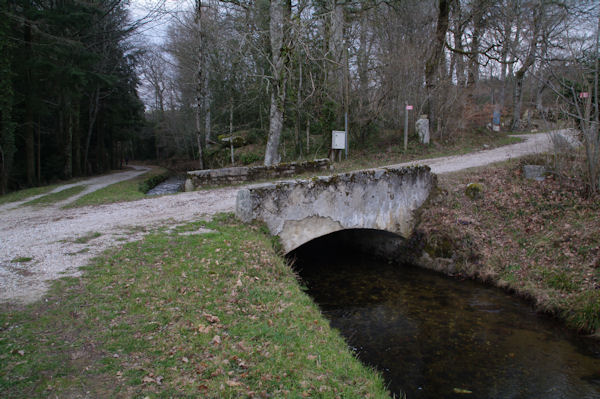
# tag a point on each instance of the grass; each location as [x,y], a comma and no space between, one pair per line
[215,315]
[22,259]
[55,197]
[538,239]
[128,190]
[22,195]
[86,238]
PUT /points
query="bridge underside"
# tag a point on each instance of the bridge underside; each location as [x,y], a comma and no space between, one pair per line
[301,210]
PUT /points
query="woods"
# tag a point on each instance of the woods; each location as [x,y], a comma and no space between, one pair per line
[295,67]
[275,77]
[69,105]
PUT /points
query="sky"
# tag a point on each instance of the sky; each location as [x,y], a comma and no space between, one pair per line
[156,14]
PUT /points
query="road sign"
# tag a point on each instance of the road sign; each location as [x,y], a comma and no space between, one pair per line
[584,94]
[409,107]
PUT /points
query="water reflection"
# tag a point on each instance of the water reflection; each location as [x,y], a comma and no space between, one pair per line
[436,337]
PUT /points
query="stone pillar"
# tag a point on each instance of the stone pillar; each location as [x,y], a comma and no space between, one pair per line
[422,127]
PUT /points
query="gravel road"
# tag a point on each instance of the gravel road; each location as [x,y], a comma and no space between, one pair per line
[47,234]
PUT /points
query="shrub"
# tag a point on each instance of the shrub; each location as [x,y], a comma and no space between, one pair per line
[249,158]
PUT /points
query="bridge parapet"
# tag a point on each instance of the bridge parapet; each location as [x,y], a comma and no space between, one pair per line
[300,210]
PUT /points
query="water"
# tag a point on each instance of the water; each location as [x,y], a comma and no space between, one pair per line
[173,184]
[436,337]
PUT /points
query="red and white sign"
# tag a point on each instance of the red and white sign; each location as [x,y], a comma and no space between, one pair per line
[584,94]
[409,107]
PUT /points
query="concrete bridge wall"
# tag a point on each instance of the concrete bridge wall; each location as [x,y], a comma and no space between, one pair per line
[301,210]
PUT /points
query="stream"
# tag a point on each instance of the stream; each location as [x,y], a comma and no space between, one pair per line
[173,184]
[432,336]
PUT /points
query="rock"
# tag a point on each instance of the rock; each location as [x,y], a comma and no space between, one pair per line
[535,172]
[422,126]
[189,185]
[238,141]
[474,191]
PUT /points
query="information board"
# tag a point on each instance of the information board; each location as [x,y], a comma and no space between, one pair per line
[338,139]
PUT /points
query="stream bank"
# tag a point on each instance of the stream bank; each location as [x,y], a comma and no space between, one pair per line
[539,240]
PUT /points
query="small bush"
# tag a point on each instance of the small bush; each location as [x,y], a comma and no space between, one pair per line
[249,158]
[474,191]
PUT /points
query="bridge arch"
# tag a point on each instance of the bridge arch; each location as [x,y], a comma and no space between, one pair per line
[301,210]
[376,243]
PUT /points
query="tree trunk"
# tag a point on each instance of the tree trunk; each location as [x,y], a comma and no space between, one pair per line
[68,141]
[207,117]
[517,99]
[199,83]
[362,64]
[231,130]
[76,141]
[297,140]
[276,32]
[433,62]
[336,49]
[527,63]
[29,125]
[459,61]
[39,153]
[503,66]
[478,21]
[93,109]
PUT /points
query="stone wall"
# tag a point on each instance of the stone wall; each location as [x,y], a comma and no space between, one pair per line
[301,210]
[214,177]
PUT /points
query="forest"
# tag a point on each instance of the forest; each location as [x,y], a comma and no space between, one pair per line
[82,91]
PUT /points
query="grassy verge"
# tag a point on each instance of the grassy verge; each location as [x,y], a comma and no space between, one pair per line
[21,195]
[56,197]
[128,190]
[180,315]
[540,239]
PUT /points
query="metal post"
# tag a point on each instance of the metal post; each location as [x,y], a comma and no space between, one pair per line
[346,130]
[405,126]
[231,130]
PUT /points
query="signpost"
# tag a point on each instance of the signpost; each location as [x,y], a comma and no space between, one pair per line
[346,131]
[584,94]
[406,109]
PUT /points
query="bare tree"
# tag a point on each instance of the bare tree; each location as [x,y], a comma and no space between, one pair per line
[279,79]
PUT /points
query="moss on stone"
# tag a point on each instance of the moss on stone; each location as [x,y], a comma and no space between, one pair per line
[474,191]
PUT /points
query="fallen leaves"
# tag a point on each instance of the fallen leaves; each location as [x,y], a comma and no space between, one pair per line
[211,319]
[523,234]
[216,340]
[202,329]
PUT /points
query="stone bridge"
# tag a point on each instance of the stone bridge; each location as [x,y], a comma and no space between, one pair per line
[299,211]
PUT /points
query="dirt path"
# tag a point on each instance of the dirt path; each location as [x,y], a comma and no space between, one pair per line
[533,144]
[49,235]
